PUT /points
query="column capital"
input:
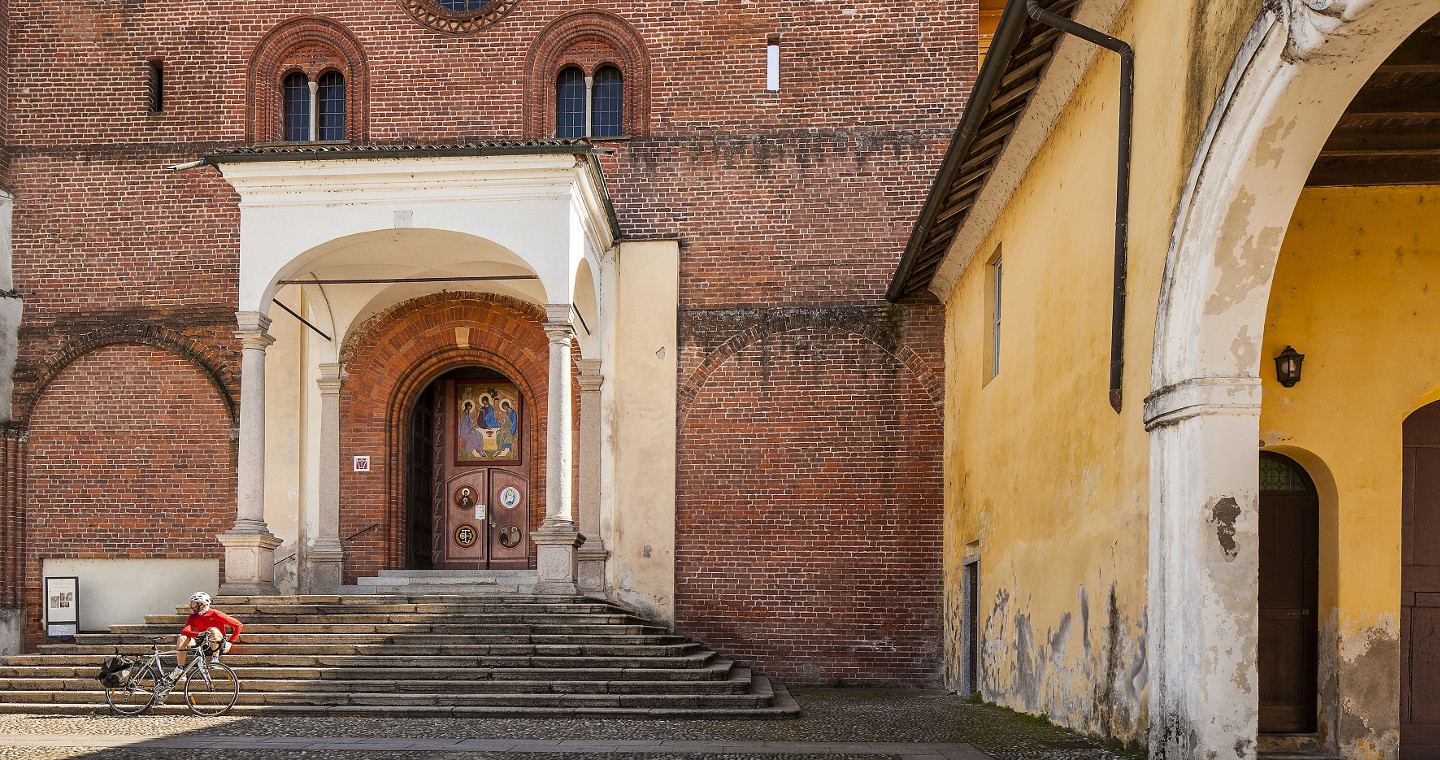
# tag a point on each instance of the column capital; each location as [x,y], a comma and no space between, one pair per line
[590,377]
[1202,396]
[561,334]
[332,377]
[252,332]
[558,313]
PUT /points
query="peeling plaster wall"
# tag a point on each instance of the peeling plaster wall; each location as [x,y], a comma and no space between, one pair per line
[1043,480]
[1354,291]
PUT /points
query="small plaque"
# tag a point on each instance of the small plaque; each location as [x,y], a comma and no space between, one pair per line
[362,464]
[510,497]
[466,536]
[60,630]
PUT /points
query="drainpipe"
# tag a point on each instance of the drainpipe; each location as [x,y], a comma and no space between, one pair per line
[1122,180]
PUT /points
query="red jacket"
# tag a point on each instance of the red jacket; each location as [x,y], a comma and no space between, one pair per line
[198,623]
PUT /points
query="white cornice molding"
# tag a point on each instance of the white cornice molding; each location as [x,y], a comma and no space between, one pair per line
[1073,57]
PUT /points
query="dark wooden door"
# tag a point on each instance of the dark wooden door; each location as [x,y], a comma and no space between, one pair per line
[1420,587]
[482,495]
[1289,558]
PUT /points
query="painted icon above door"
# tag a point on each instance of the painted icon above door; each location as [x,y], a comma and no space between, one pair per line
[488,412]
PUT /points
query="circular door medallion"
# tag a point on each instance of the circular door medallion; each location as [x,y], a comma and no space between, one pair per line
[465,535]
[465,497]
[510,497]
[510,536]
[459,16]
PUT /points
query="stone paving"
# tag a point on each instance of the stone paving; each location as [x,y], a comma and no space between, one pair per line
[867,724]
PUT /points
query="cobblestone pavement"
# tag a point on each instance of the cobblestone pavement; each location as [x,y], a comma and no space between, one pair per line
[867,724]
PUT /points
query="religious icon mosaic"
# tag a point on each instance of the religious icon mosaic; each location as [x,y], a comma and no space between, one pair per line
[488,413]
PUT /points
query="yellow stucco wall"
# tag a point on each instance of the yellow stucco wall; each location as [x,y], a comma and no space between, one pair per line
[1355,290]
[1041,472]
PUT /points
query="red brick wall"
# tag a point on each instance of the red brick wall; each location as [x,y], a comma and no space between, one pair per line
[129,456]
[810,520]
[390,360]
[797,199]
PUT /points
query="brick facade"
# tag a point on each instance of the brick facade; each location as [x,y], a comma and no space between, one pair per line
[783,202]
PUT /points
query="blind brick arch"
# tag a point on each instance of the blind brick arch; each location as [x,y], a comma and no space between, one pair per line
[129,455]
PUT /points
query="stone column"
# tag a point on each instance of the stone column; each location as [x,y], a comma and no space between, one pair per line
[1203,612]
[327,556]
[557,539]
[592,554]
[249,546]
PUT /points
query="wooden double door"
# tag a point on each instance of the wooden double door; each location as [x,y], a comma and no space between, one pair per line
[469,485]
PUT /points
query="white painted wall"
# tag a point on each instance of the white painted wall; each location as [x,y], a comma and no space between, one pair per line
[638,434]
[123,591]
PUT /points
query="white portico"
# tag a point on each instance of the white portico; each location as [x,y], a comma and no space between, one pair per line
[335,237]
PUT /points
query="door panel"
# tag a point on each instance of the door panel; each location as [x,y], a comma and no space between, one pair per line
[1420,587]
[464,534]
[510,518]
[1289,557]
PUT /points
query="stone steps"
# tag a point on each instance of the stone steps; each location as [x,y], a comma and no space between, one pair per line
[418,654]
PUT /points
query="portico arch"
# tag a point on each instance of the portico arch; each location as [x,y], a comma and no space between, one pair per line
[1301,65]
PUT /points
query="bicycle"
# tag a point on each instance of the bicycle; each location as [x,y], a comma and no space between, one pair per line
[210,690]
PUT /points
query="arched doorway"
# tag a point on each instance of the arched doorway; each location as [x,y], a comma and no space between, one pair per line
[1420,586]
[1289,580]
[468,490]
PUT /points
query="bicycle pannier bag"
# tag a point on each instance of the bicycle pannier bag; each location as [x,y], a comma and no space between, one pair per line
[114,672]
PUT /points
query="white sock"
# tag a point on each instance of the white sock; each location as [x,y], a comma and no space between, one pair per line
[176,672]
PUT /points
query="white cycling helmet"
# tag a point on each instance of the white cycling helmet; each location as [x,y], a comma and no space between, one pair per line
[201,597]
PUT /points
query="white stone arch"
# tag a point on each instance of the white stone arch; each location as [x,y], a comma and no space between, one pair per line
[1300,66]
[586,300]
[424,255]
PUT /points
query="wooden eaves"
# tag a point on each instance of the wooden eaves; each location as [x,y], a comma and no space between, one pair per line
[1012,70]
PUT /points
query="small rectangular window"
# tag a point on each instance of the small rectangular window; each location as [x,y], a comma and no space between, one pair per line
[155,86]
[994,275]
[772,63]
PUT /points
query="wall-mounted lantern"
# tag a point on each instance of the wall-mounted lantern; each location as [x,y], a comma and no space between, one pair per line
[1287,366]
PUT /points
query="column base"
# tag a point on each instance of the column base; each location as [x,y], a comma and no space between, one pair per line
[325,572]
[556,559]
[591,578]
[249,563]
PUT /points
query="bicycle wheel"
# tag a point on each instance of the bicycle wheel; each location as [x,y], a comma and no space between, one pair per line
[136,695]
[214,695]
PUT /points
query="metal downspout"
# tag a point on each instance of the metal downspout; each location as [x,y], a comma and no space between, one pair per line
[1122,180]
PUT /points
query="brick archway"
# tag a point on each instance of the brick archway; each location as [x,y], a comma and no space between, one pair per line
[388,361]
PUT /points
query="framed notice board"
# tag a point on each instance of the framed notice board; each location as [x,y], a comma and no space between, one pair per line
[62,607]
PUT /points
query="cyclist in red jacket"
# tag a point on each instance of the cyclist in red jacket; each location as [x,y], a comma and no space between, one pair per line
[205,621]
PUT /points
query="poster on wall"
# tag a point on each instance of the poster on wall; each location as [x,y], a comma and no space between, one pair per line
[488,412]
[62,607]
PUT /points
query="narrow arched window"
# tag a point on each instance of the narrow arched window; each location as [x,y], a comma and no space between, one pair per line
[331,96]
[296,120]
[570,103]
[607,112]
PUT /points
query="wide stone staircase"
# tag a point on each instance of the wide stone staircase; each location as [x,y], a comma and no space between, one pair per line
[475,653]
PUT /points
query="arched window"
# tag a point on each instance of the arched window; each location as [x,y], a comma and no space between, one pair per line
[587,74]
[606,119]
[295,125]
[331,95]
[570,103]
[308,83]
